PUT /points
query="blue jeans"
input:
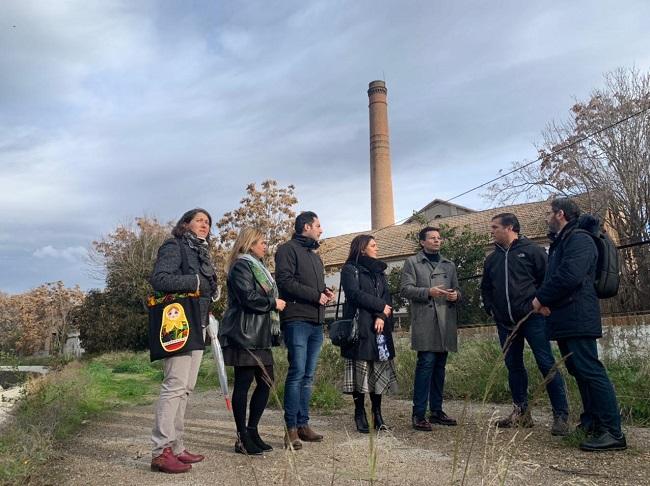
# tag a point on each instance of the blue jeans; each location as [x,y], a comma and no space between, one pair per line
[303,341]
[429,382]
[600,409]
[534,331]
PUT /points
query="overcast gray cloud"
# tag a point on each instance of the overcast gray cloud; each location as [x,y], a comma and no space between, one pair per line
[112,110]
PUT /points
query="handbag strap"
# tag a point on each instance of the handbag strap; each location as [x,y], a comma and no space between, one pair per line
[338,300]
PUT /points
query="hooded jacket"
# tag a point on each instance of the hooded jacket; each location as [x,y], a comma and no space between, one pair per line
[568,288]
[511,277]
[300,276]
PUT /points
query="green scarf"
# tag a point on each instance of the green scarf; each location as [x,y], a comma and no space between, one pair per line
[265,279]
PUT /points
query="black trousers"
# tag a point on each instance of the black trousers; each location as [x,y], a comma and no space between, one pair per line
[600,409]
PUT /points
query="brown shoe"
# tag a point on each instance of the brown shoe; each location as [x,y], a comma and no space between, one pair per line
[168,463]
[307,434]
[188,458]
[291,439]
[420,423]
[517,418]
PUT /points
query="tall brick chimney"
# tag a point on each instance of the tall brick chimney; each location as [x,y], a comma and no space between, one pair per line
[381,181]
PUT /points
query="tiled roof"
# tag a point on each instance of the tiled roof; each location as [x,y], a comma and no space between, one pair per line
[393,241]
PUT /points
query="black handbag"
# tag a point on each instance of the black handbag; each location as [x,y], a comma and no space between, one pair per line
[345,332]
[174,320]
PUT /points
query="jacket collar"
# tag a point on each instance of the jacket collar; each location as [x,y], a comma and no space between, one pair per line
[423,258]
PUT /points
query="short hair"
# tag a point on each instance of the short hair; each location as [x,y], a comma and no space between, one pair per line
[508,219]
[182,225]
[422,235]
[568,206]
[306,217]
[358,244]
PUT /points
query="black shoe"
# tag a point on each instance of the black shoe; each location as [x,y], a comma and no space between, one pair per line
[441,418]
[604,441]
[420,423]
[246,445]
[255,437]
[361,421]
[379,421]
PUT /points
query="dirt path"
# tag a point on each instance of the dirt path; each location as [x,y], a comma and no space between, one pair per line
[115,451]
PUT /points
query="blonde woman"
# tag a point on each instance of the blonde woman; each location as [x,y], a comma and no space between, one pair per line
[250,327]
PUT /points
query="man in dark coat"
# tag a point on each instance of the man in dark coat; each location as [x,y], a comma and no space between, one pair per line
[430,282]
[574,321]
[300,276]
[511,275]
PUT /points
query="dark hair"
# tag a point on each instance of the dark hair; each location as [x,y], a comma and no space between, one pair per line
[181,227]
[422,235]
[306,217]
[508,219]
[567,206]
[359,243]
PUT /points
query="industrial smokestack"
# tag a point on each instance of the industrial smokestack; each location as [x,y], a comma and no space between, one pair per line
[381,181]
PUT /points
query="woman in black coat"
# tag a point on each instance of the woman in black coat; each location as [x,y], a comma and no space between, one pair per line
[251,325]
[191,236]
[369,366]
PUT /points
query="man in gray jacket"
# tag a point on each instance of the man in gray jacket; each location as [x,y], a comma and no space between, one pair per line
[430,282]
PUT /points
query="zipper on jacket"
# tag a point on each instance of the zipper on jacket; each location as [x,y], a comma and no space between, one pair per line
[507,289]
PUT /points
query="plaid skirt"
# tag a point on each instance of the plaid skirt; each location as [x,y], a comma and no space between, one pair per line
[369,376]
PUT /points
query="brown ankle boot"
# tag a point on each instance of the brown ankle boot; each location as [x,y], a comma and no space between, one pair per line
[307,434]
[168,463]
[291,439]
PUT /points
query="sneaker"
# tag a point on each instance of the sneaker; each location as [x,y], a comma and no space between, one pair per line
[517,418]
[560,426]
[441,418]
[604,442]
[420,423]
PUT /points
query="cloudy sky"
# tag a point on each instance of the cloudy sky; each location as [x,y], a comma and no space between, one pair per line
[111,110]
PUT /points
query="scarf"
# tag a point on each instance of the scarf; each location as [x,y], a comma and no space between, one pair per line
[202,248]
[265,279]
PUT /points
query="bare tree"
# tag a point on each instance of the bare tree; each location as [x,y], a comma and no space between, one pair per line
[602,153]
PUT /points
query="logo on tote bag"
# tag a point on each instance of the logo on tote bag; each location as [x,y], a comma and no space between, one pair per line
[175,329]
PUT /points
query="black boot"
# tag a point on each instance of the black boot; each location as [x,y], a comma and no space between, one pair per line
[360,419]
[255,437]
[246,445]
[376,412]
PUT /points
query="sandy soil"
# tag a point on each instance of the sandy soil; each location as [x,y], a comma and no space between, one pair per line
[114,450]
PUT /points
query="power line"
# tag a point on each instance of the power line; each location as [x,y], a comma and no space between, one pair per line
[554,152]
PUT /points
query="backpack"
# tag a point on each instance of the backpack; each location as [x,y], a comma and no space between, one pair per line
[607,266]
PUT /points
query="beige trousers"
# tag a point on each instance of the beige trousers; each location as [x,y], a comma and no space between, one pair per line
[181,372]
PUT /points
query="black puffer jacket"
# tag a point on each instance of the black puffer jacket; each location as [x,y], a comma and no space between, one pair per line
[300,276]
[511,277]
[568,287]
[370,294]
[247,321]
[168,274]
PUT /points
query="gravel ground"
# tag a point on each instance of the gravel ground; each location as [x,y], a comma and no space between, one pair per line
[114,450]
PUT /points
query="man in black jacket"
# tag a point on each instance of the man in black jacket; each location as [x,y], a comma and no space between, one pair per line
[300,276]
[568,290]
[511,276]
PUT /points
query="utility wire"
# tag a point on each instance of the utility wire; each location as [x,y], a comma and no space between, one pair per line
[554,152]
